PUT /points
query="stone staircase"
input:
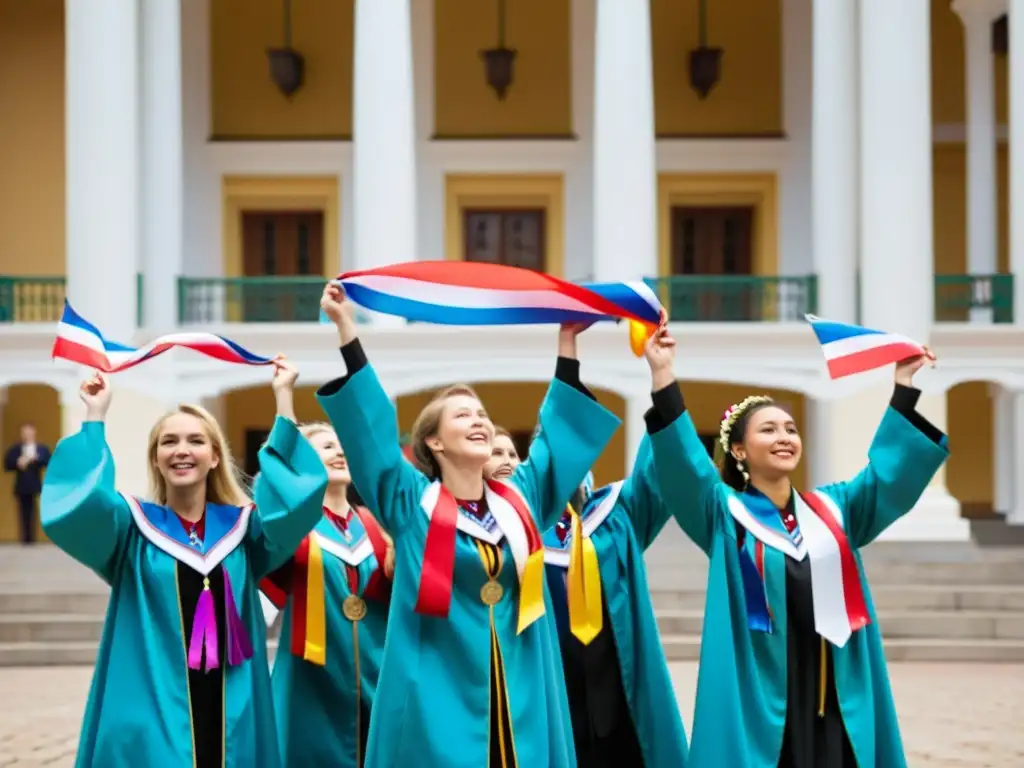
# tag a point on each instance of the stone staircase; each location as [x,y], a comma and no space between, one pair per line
[936,602]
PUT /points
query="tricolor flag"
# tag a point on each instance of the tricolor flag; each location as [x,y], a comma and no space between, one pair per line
[474,293]
[851,349]
[81,342]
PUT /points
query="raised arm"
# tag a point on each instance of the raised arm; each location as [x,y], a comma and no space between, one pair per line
[367,425]
[905,454]
[573,431]
[80,510]
[289,490]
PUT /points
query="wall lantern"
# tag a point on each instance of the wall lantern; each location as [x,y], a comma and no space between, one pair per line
[499,62]
[705,62]
[287,67]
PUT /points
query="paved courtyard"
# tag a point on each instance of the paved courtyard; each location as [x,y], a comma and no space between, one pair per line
[953,715]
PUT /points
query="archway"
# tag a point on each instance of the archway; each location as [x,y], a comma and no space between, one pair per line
[970,467]
[39,405]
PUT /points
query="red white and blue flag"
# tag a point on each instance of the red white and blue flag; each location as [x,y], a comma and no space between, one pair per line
[473,293]
[851,349]
[81,342]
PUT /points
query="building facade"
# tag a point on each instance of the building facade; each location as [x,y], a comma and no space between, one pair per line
[847,159]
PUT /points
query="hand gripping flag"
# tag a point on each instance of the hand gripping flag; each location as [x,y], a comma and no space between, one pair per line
[81,342]
[473,293]
[851,349]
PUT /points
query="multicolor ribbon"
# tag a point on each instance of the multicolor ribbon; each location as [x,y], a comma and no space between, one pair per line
[436,575]
[583,583]
[81,342]
[851,349]
[204,642]
[475,293]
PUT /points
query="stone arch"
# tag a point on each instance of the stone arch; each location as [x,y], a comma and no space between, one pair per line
[970,469]
[32,402]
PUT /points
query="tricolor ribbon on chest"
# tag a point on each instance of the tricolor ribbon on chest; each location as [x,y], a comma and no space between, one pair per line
[305,583]
[514,523]
[840,608]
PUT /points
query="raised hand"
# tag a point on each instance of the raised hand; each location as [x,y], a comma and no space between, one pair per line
[285,374]
[95,393]
[905,369]
[660,351]
[340,310]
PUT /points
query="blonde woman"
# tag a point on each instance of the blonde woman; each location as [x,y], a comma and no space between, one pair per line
[181,678]
[471,674]
[335,594]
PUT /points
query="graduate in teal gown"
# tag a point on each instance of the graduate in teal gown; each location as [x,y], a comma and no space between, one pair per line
[792,669]
[335,594]
[621,697]
[471,674]
[181,677]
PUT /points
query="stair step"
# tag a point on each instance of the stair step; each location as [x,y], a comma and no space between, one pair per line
[59,599]
[687,648]
[895,625]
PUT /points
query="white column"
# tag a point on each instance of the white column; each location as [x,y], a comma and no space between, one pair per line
[1004,448]
[1015,516]
[982,242]
[384,135]
[1016,87]
[162,163]
[102,160]
[897,262]
[625,177]
[834,158]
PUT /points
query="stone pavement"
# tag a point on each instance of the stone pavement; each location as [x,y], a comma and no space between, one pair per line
[952,715]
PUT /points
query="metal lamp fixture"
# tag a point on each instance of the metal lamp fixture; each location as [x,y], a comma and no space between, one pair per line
[705,62]
[499,62]
[287,67]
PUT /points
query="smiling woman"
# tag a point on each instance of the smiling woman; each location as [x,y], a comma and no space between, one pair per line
[183,569]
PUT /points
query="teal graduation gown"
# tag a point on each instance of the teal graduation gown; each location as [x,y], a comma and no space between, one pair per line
[433,700]
[323,712]
[146,707]
[621,697]
[743,709]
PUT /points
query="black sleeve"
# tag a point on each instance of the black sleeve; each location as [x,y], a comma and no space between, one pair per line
[567,371]
[904,402]
[355,360]
[668,406]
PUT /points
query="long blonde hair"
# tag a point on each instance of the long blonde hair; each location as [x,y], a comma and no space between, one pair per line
[426,426]
[307,430]
[223,484]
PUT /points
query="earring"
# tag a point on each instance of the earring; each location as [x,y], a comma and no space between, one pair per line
[743,471]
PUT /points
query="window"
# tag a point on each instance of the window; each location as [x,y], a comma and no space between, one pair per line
[708,243]
[284,244]
[512,237]
[254,440]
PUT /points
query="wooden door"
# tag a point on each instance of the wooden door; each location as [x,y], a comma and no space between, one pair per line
[282,244]
[512,237]
[713,242]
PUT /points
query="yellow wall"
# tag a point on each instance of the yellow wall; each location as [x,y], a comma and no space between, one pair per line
[950,199]
[246,103]
[40,405]
[539,102]
[969,470]
[948,74]
[747,101]
[32,137]
[253,408]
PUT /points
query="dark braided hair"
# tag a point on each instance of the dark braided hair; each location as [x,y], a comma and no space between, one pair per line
[727,464]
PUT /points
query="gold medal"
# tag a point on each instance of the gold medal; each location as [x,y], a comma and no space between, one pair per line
[491,593]
[354,608]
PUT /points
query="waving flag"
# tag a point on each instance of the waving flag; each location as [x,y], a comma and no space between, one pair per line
[851,349]
[473,293]
[80,341]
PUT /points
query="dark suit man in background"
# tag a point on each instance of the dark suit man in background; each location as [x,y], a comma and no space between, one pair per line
[27,460]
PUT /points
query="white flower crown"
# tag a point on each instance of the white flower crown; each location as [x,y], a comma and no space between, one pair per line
[733,414]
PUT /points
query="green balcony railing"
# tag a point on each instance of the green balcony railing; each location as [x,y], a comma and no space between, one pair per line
[31,299]
[249,299]
[737,298]
[957,295]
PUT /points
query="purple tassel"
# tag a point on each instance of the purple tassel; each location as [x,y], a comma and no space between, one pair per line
[239,644]
[204,632]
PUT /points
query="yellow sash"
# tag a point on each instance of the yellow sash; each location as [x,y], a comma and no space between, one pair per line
[583,584]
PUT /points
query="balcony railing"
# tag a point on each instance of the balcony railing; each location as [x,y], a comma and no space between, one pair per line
[31,299]
[249,299]
[957,295]
[737,298]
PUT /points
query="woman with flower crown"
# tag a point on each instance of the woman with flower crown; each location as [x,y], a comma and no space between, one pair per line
[792,670]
